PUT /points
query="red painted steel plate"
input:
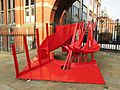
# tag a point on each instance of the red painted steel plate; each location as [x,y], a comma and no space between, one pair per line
[81,73]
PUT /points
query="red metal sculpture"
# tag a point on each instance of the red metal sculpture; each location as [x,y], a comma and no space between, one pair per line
[76,67]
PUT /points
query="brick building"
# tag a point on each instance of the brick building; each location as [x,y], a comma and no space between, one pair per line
[106,24]
[23,16]
[108,28]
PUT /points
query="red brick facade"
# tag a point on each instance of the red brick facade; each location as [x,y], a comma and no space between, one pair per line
[43,15]
[19,15]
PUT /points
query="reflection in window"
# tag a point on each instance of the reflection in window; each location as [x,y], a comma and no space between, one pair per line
[74,13]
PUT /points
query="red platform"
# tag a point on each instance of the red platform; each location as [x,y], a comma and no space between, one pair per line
[86,73]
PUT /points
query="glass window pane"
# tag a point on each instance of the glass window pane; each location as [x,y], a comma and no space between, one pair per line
[27,11]
[33,11]
[27,2]
[27,17]
[90,15]
[32,19]
[32,2]
[95,7]
[85,16]
[2,5]
[77,4]
[13,3]
[13,16]
[9,5]
[72,9]
[84,9]
[9,17]
[85,2]
[2,18]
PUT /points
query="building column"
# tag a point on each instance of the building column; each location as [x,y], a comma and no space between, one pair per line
[19,12]
[5,11]
[43,13]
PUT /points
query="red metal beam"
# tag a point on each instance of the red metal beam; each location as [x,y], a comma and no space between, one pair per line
[15,60]
[38,47]
[27,52]
[37,38]
[47,34]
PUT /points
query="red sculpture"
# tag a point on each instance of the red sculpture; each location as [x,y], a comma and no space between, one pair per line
[76,68]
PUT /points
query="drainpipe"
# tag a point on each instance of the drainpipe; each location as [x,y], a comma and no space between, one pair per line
[34,42]
[96,31]
[35,20]
[82,11]
[20,11]
[42,19]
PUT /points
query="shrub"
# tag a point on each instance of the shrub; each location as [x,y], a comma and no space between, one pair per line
[105,37]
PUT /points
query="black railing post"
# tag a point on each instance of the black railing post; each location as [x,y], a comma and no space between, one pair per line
[0,42]
[117,20]
[7,42]
[117,37]
[96,31]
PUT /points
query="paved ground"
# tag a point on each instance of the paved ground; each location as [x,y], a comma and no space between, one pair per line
[108,62]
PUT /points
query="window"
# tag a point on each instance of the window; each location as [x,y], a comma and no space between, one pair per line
[85,2]
[11,11]
[1,12]
[95,7]
[27,2]
[9,6]
[32,2]
[90,2]
[84,13]
[76,15]
[98,11]
[2,4]
[75,11]
[90,15]
[29,11]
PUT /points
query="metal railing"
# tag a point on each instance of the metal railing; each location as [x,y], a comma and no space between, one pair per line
[6,40]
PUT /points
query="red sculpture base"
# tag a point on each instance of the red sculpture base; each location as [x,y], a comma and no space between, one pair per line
[81,73]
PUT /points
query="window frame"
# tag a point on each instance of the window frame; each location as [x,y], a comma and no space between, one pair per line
[31,16]
[85,13]
[90,15]
[1,12]
[12,12]
[76,8]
